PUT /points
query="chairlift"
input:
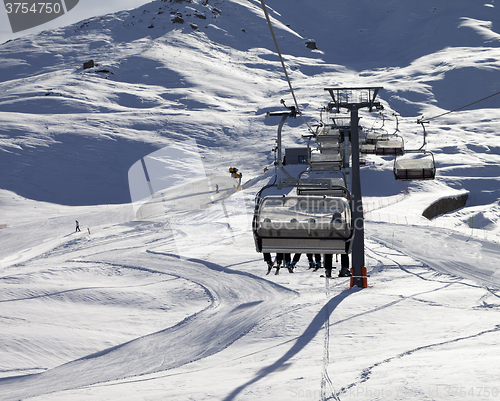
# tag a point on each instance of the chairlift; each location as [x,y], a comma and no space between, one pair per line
[325,161]
[302,224]
[373,136]
[367,148]
[393,146]
[318,218]
[327,156]
[379,141]
[331,185]
[328,134]
[420,166]
[388,144]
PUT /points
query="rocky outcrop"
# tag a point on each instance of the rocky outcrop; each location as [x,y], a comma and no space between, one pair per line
[445,205]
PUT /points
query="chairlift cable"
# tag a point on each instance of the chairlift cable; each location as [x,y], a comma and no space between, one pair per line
[463,107]
[283,63]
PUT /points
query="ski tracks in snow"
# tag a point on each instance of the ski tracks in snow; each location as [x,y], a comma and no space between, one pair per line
[446,280]
[475,260]
[327,389]
[366,373]
[238,301]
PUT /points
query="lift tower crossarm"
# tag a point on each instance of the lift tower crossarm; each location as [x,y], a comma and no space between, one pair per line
[341,99]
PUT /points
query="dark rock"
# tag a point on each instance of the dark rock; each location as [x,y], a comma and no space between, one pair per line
[88,64]
[178,19]
[311,45]
[445,205]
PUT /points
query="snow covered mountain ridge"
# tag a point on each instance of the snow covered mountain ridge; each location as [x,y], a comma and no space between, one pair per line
[113,312]
[208,70]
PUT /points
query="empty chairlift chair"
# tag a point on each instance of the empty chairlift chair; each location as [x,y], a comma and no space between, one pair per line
[373,136]
[369,145]
[415,165]
[325,161]
[392,146]
[367,148]
[328,138]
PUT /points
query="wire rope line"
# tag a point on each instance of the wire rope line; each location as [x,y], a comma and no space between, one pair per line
[463,107]
[283,63]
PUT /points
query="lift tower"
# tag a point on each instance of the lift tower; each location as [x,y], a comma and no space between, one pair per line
[354,99]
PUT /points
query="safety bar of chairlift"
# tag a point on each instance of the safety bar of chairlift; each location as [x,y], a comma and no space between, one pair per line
[310,184]
[299,245]
[406,176]
[324,245]
[332,188]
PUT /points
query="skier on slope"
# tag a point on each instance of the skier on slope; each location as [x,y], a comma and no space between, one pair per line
[77,226]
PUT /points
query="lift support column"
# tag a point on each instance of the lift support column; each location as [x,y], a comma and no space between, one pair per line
[345,98]
[358,244]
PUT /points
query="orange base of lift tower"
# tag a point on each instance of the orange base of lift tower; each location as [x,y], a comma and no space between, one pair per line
[365,277]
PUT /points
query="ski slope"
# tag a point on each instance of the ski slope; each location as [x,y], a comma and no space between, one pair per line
[174,303]
[136,322]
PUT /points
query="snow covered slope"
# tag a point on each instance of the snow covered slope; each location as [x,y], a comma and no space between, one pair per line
[179,307]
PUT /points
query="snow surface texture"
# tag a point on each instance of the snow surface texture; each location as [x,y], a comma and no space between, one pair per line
[174,307]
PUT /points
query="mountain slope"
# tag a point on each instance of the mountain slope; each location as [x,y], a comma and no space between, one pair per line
[70,135]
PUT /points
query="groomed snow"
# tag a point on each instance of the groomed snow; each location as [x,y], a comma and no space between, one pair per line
[176,305]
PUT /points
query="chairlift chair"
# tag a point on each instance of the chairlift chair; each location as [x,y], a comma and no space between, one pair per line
[329,148]
[382,143]
[318,223]
[421,166]
[415,168]
[325,161]
[302,224]
[391,147]
[327,134]
[373,137]
[367,148]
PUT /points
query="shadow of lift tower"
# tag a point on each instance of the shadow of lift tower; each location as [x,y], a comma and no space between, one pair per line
[354,99]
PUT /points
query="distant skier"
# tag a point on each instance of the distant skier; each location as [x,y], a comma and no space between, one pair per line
[216,188]
[77,226]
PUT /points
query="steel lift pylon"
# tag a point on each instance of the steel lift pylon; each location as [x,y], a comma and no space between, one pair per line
[354,99]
